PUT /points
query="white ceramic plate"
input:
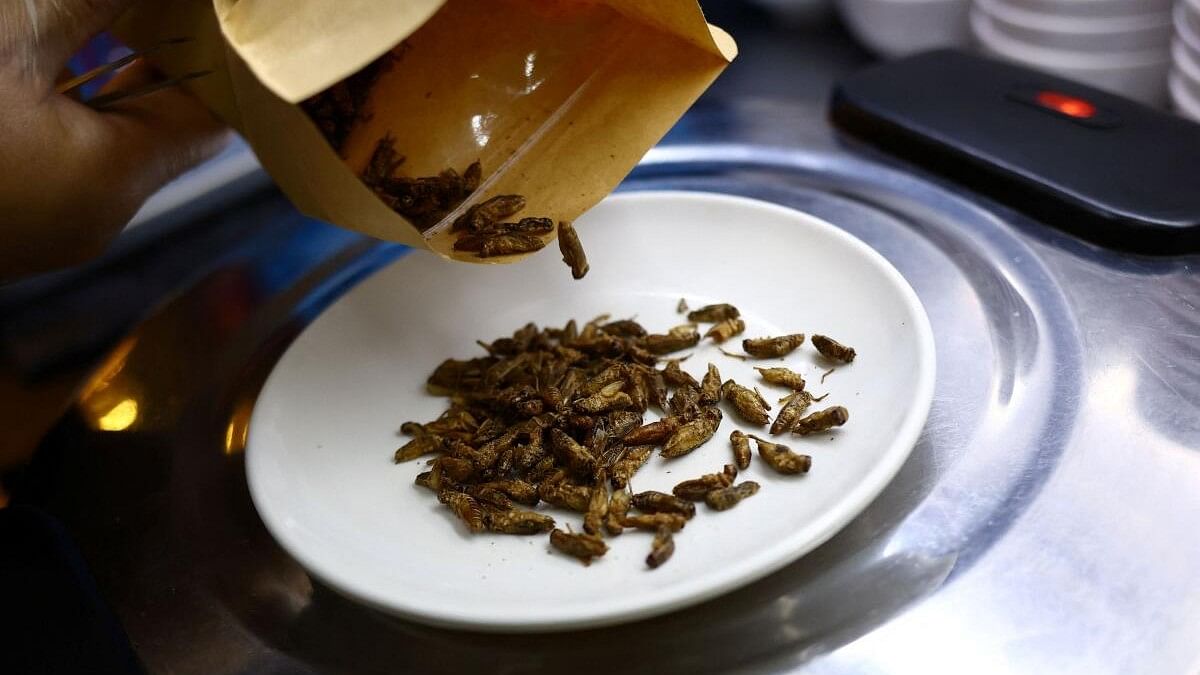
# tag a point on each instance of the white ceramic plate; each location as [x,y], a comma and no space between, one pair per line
[324,429]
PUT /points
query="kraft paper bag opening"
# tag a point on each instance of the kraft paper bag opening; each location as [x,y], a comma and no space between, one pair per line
[396,118]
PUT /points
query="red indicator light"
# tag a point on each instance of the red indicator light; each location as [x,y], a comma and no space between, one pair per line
[1067,105]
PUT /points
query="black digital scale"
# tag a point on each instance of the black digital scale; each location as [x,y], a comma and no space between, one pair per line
[1100,166]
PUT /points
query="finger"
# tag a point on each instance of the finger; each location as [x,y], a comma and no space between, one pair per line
[53,30]
[119,157]
[166,132]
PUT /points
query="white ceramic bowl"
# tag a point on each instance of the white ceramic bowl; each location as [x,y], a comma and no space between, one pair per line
[1187,34]
[1138,75]
[1186,68]
[894,28]
[1190,10]
[1094,8]
[1091,34]
[1182,100]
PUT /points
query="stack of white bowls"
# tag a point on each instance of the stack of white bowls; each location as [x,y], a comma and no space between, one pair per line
[1122,46]
[894,28]
[1185,53]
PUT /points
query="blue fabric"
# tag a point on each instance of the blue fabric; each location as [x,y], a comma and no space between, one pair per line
[100,50]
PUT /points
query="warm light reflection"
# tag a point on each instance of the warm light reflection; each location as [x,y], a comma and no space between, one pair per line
[120,417]
[109,399]
[238,427]
[109,369]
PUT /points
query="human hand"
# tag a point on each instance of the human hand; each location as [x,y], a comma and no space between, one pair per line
[72,177]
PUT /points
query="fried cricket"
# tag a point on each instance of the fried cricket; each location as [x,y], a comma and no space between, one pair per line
[772,347]
[781,458]
[822,420]
[572,250]
[585,547]
[661,548]
[727,498]
[833,349]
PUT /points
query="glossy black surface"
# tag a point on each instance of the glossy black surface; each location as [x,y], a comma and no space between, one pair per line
[1125,176]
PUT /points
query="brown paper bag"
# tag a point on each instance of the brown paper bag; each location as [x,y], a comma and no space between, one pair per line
[556,99]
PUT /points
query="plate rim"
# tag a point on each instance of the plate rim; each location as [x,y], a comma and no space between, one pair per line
[760,564]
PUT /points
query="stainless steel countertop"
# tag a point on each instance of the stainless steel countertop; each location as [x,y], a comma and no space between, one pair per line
[1044,523]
